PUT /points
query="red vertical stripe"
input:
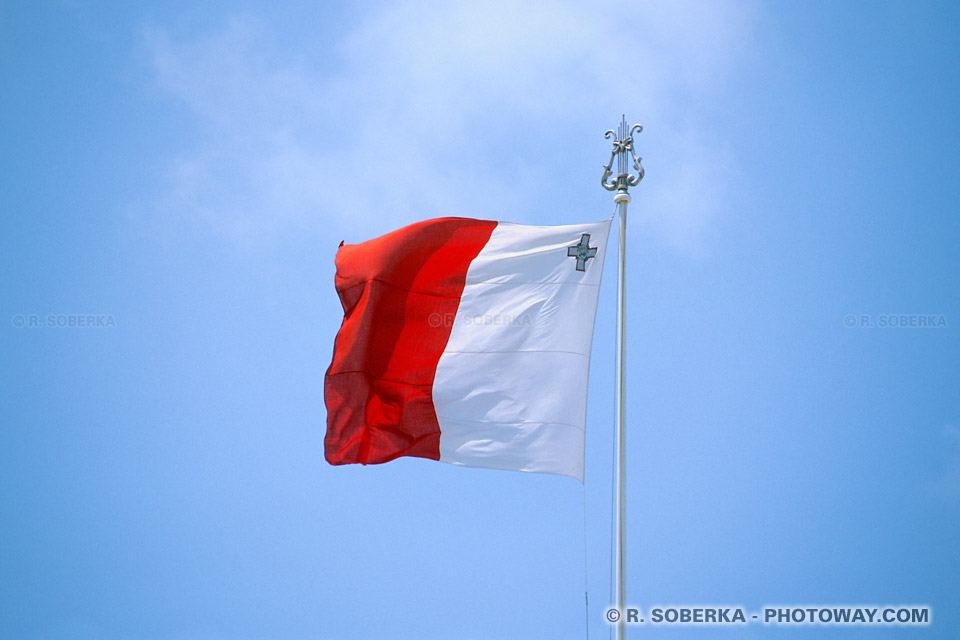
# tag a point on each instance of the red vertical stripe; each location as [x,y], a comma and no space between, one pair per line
[400,293]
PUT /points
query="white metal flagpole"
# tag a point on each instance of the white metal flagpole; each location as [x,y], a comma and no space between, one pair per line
[622,145]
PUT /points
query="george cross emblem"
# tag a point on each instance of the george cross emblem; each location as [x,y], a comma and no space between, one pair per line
[582,252]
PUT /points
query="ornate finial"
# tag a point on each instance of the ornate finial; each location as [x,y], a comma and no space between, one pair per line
[622,144]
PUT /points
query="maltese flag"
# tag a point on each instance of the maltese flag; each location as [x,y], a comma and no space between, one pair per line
[465,341]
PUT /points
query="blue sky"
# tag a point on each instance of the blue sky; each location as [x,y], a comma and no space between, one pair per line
[183,173]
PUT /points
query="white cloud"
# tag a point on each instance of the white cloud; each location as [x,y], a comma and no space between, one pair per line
[438,108]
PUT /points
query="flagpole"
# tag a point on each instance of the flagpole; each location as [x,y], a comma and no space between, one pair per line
[622,145]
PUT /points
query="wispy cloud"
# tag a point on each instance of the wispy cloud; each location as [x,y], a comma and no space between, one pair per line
[444,109]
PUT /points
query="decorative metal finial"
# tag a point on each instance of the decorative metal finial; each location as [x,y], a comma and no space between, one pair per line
[622,144]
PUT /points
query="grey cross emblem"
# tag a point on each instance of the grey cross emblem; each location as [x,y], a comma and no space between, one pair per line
[582,252]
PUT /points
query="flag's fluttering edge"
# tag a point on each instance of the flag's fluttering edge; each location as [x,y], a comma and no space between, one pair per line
[466,341]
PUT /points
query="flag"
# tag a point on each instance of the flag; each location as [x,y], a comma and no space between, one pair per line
[465,341]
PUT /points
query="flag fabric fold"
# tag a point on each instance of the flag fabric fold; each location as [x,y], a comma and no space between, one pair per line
[465,341]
